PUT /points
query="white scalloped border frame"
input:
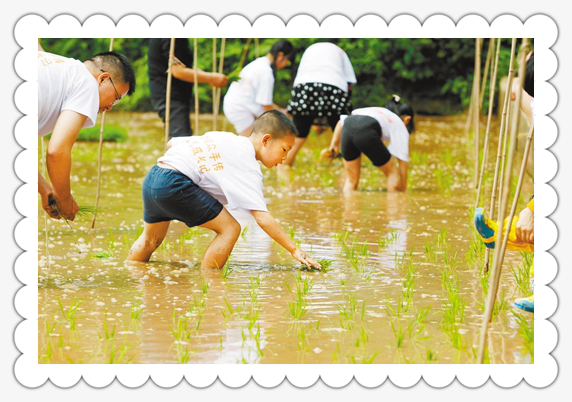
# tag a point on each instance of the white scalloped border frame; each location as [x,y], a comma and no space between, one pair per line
[31,27]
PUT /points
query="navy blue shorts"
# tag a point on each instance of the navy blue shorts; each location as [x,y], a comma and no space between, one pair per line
[362,134]
[168,194]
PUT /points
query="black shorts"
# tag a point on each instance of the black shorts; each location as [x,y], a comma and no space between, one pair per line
[362,134]
[313,100]
[168,194]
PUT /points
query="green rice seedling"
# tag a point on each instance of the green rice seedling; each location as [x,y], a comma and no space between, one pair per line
[349,310]
[84,211]
[337,354]
[117,354]
[107,334]
[370,359]
[501,304]
[398,333]
[226,269]
[49,328]
[137,309]
[243,232]
[302,339]
[430,254]
[325,264]
[430,355]
[342,236]
[522,273]
[292,234]
[182,334]
[526,332]
[103,254]
[69,314]
[444,180]
[417,325]
[230,312]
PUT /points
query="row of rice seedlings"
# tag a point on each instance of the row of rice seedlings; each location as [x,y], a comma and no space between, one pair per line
[113,353]
[522,274]
[69,315]
[109,252]
[349,310]
[182,332]
[298,305]
[138,308]
[385,240]
[47,350]
[501,304]
[475,256]
[526,332]
[444,180]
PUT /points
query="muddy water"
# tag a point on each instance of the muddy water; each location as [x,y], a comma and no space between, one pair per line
[399,262]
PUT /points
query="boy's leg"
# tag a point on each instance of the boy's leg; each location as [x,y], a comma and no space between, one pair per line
[392,173]
[152,236]
[227,230]
[353,170]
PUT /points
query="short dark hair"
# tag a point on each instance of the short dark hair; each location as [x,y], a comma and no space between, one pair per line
[401,108]
[528,85]
[117,65]
[274,122]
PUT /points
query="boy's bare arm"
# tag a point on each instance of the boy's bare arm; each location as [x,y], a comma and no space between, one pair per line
[403,169]
[274,230]
[58,159]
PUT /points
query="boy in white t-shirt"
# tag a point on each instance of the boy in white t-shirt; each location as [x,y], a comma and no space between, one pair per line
[198,175]
[70,95]
[365,131]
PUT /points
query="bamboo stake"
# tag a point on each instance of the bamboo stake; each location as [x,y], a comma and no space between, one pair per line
[195,66]
[492,88]
[476,111]
[490,53]
[214,88]
[220,67]
[502,235]
[99,158]
[256,48]
[168,95]
[501,149]
[45,215]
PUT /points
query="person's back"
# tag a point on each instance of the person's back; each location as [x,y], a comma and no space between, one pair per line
[325,63]
[64,84]
[221,163]
[255,87]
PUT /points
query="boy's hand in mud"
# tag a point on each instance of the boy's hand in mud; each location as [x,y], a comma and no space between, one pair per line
[328,154]
[305,259]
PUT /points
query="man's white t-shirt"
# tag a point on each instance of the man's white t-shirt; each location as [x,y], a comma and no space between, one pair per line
[223,164]
[326,63]
[392,129]
[64,84]
[255,87]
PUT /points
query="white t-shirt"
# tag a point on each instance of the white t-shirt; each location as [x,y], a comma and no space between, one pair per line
[223,164]
[255,87]
[392,129]
[64,84]
[325,63]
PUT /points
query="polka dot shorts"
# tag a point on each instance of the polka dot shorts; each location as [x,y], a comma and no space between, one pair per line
[317,99]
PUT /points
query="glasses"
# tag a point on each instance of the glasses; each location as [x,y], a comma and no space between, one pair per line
[117,97]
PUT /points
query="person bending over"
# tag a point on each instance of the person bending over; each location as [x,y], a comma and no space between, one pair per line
[198,175]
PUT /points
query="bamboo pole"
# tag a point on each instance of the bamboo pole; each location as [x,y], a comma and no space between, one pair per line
[168,92]
[47,237]
[502,235]
[501,149]
[256,48]
[220,68]
[476,111]
[492,88]
[195,67]
[488,61]
[99,158]
[214,88]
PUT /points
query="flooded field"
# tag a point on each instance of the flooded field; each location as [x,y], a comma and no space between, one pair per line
[405,284]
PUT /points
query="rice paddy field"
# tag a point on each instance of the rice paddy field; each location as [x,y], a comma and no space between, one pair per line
[403,281]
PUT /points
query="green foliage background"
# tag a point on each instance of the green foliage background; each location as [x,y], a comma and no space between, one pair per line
[433,75]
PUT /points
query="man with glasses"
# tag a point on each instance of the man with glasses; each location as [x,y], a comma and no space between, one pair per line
[70,95]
